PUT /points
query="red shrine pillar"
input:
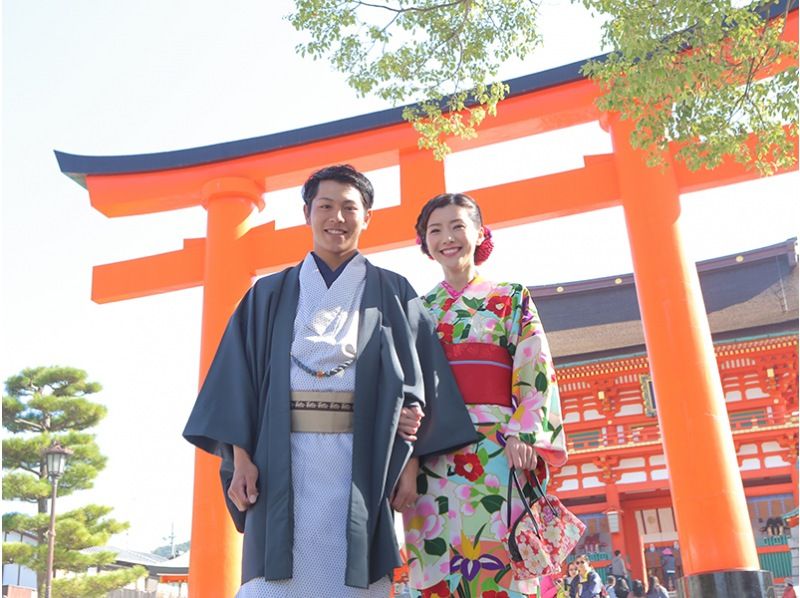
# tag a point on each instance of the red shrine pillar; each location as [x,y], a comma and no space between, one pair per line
[717,544]
[634,547]
[614,513]
[216,552]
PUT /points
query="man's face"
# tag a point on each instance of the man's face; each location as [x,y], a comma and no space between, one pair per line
[337,218]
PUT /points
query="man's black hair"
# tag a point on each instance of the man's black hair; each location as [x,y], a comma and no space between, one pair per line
[341,173]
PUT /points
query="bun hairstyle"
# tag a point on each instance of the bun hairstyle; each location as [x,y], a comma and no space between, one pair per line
[461,200]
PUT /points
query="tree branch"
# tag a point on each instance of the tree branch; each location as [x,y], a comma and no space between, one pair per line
[414,8]
[366,52]
[454,33]
[29,424]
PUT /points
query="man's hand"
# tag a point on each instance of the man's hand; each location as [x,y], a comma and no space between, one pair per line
[243,490]
[520,454]
[405,494]
[410,419]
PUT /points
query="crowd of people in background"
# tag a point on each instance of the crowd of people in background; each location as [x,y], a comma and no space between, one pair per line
[582,581]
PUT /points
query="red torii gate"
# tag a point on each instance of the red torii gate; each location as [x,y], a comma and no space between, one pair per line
[229,179]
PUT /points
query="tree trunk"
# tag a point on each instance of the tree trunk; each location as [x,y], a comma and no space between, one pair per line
[41,537]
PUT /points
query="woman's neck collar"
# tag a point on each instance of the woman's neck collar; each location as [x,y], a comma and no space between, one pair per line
[459,279]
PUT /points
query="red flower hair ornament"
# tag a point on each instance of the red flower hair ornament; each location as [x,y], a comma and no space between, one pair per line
[484,250]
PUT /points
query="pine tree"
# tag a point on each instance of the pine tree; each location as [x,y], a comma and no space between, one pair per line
[43,405]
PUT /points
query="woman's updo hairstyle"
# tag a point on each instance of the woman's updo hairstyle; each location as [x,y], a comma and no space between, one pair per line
[461,200]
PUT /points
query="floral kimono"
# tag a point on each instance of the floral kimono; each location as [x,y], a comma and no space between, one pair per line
[499,355]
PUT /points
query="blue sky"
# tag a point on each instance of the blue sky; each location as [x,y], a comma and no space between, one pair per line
[114,77]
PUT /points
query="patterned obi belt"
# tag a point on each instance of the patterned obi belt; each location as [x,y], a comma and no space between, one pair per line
[482,371]
[326,412]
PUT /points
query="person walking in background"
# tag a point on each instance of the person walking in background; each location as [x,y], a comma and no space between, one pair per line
[572,571]
[668,565]
[611,586]
[619,569]
[652,561]
[622,589]
[496,346]
[656,590]
[788,591]
[587,583]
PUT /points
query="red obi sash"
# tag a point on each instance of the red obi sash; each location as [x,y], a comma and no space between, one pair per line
[482,371]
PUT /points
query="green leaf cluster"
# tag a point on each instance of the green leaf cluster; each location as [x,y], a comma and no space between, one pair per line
[41,405]
[708,75]
[96,586]
[442,55]
[75,530]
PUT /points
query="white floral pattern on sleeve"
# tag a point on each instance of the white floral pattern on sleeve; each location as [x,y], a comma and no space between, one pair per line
[537,417]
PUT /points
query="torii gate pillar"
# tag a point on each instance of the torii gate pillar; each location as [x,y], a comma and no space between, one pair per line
[705,483]
[216,553]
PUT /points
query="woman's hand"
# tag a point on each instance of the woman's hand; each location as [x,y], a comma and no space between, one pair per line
[243,490]
[410,419]
[405,494]
[520,454]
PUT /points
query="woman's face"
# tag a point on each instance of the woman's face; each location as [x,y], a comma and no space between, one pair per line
[583,565]
[572,570]
[452,236]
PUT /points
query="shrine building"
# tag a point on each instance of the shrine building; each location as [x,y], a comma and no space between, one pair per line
[617,476]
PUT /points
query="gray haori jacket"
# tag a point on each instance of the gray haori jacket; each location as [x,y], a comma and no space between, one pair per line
[244,401]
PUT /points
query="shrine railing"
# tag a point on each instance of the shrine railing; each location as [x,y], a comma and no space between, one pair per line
[645,433]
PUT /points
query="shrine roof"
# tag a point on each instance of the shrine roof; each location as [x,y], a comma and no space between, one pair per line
[124,555]
[176,566]
[748,293]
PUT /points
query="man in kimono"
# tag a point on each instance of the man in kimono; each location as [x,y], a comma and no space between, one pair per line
[303,401]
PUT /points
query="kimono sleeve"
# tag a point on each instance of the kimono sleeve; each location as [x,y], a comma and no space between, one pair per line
[446,425]
[537,417]
[226,409]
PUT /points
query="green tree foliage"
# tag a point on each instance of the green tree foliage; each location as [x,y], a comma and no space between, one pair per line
[704,73]
[443,55]
[700,73]
[42,405]
[96,586]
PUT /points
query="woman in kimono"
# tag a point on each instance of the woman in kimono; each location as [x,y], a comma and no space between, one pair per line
[303,401]
[497,349]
